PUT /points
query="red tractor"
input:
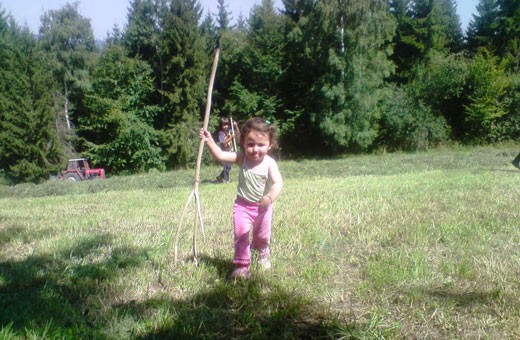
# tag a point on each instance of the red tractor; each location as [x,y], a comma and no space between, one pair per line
[78,169]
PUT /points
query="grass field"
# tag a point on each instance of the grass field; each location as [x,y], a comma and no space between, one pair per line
[389,246]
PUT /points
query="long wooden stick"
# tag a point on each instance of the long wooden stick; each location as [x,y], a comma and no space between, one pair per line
[195,192]
[233,133]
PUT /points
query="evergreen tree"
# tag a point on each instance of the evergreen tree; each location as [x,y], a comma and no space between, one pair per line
[409,48]
[186,67]
[344,47]
[508,32]
[166,34]
[4,20]
[452,26]
[496,27]
[114,38]
[438,25]
[423,26]
[223,16]
[305,49]
[209,31]
[29,150]
[429,73]
[141,37]
[481,30]
[350,98]
[255,88]
[208,26]
[241,23]
[233,44]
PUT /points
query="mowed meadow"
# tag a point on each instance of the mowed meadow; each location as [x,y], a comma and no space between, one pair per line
[389,246]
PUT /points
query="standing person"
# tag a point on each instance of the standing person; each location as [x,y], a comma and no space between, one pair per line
[259,185]
[516,161]
[224,138]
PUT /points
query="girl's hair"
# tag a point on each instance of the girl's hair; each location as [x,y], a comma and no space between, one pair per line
[223,121]
[260,125]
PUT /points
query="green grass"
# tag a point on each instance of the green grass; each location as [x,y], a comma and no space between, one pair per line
[385,246]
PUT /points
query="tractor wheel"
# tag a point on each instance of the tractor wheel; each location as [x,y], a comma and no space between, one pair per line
[72,177]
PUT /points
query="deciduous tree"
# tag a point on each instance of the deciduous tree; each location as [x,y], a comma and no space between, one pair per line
[67,36]
[118,130]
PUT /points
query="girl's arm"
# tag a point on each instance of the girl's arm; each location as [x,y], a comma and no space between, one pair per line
[276,187]
[215,150]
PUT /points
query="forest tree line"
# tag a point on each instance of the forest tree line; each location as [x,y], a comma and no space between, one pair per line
[334,76]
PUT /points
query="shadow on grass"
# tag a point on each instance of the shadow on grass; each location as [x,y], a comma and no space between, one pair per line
[465,298]
[18,233]
[9,234]
[49,295]
[255,308]
[59,296]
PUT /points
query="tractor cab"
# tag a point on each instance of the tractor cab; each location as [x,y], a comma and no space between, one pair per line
[78,169]
[79,164]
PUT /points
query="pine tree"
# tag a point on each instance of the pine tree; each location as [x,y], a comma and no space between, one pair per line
[166,34]
[261,64]
[304,51]
[409,48]
[141,37]
[452,26]
[4,20]
[350,96]
[438,25]
[482,28]
[233,44]
[344,47]
[241,23]
[186,67]
[29,150]
[223,16]
[208,26]
[508,32]
[209,31]
[432,75]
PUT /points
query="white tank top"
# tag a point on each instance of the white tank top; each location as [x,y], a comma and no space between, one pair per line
[253,185]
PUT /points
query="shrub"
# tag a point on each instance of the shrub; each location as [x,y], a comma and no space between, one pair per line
[487,84]
[439,83]
[407,124]
[508,126]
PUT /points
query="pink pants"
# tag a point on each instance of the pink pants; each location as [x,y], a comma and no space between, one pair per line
[245,216]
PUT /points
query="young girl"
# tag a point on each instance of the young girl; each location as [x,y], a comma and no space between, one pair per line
[259,185]
[224,140]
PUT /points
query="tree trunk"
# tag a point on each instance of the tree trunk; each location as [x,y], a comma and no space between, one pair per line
[67,118]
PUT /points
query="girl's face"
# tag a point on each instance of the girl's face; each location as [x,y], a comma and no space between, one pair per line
[256,146]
